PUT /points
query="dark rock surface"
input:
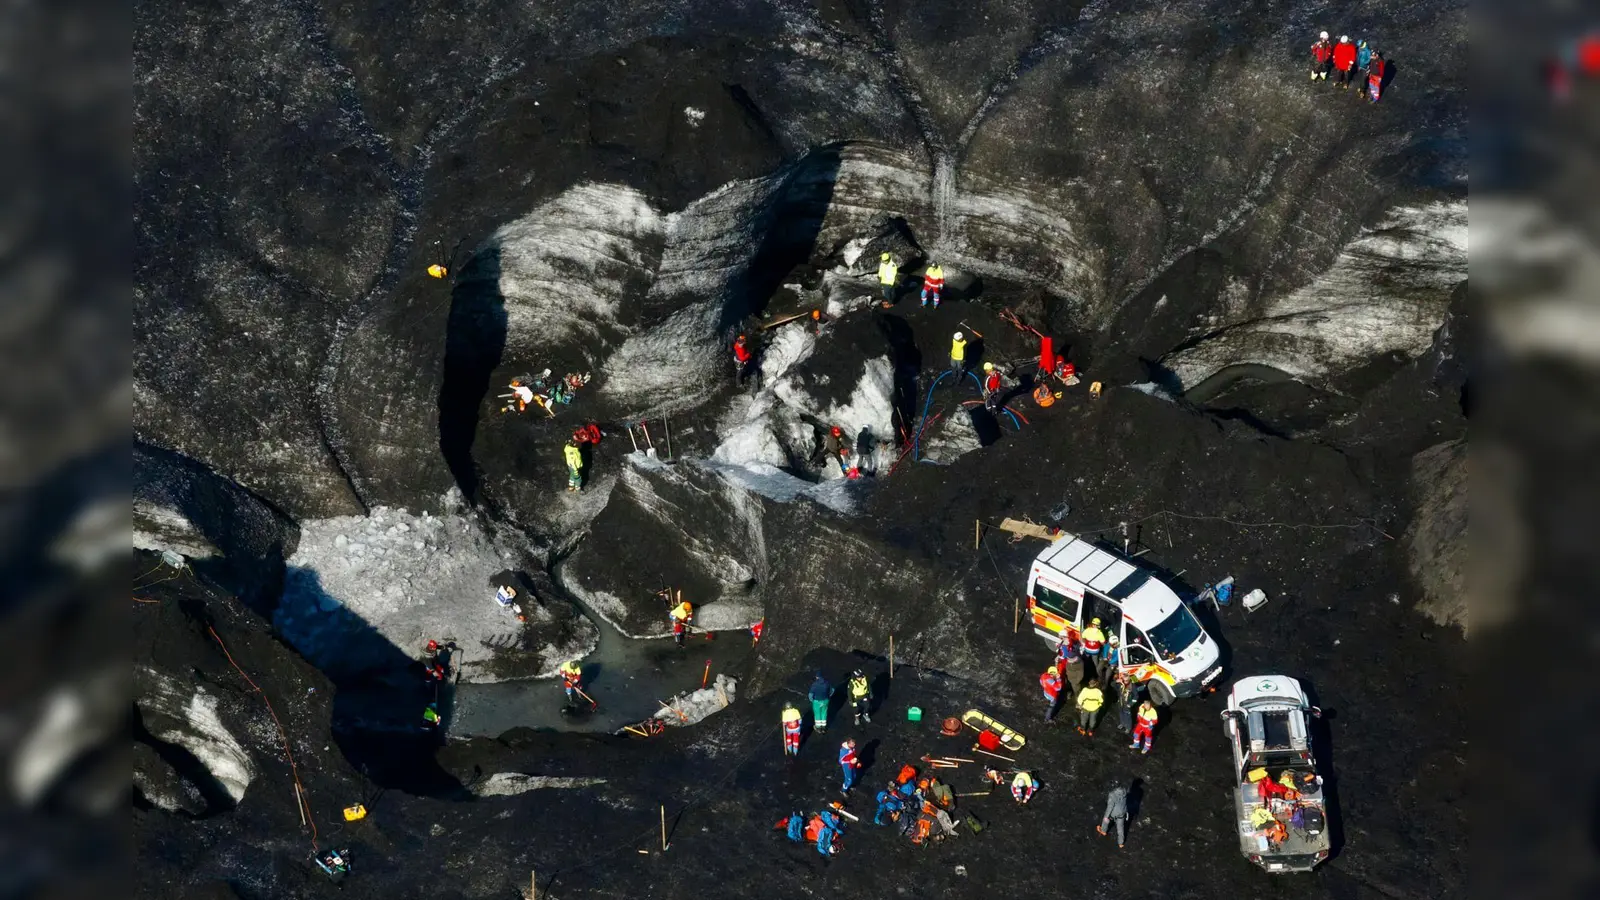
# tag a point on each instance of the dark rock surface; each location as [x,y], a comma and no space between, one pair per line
[618,194]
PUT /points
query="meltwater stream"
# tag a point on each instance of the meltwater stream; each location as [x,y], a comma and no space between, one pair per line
[627,677]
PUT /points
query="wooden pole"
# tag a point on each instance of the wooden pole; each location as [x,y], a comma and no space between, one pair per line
[995,755]
[666,428]
[977,533]
[663,828]
[300,804]
[533,885]
[705,675]
[1016,614]
[891,657]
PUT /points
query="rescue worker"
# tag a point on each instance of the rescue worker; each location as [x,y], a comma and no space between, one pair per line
[836,447]
[1110,660]
[1144,725]
[571,678]
[1023,784]
[574,466]
[888,274]
[1050,681]
[792,720]
[680,616]
[1090,699]
[958,354]
[522,394]
[742,359]
[992,383]
[1344,61]
[1321,57]
[860,696]
[1363,57]
[832,827]
[755,631]
[1069,659]
[1127,700]
[889,805]
[849,764]
[821,692]
[1093,639]
[932,284]
[1375,73]
[1116,811]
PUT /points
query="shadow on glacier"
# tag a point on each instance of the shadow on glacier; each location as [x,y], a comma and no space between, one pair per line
[788,229]
[381,691]
[475,340]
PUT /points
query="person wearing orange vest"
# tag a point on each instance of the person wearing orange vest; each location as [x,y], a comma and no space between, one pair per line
[792,722]
[1050,681]
[932,284]
[1144,725]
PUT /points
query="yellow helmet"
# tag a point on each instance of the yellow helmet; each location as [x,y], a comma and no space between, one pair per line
[438,271]
[1095,621]
[988,367]
[884,256]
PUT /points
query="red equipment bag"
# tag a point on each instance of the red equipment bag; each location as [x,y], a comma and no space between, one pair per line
[989,741]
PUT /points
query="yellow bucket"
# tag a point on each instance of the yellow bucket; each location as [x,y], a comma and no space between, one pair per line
[355,813]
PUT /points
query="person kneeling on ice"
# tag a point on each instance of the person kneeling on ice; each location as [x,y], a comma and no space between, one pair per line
[571,679]
[680,616]
[1023,784]
[792,722]
[849,763]
[1144,725]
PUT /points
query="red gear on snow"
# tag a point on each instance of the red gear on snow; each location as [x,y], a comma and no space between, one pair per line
[1344,56]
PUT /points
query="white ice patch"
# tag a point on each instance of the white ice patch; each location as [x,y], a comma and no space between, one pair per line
[1387,292]
[158,528]
[1543,272]
[201,731]
[694,116]
[406,577]
[565,269]
[950,438]
[508,784]
[695,706]
[73,718]
[1154,390]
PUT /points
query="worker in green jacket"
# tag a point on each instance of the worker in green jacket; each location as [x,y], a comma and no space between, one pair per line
[574,466]
[888,274]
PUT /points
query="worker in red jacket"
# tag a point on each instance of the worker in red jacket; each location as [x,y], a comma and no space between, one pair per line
[742,359]
[932,284]
[1321,57]
[1344,60]
[1375,73]
[1050,681]
[992,383]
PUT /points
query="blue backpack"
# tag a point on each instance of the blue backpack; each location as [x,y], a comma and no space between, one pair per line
[797,827]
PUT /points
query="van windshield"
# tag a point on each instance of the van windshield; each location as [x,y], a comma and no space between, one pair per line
[1175,633]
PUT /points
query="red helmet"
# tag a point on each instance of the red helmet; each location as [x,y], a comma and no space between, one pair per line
[433,644]
[837,431]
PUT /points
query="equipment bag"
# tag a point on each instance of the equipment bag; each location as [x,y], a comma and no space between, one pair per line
[975,824]
[907,773]
[797,827]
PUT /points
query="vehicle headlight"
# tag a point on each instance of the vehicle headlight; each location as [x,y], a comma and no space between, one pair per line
[1211,675]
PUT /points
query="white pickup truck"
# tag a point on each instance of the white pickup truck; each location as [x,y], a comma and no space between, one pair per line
[1278,799]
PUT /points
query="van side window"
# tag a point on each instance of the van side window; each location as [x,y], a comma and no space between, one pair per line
[1060,604]
[1134,640]
[1136,654]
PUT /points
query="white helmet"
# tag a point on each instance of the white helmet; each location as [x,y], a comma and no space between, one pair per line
[958,335]
[1323,36]
[1344,38]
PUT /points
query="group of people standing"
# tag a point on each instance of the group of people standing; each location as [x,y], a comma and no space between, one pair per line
[1094,650]
[1346,60]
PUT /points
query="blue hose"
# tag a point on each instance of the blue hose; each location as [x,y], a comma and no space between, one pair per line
[916,448]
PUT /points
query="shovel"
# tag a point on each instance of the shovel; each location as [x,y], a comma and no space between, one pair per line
[651,450]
